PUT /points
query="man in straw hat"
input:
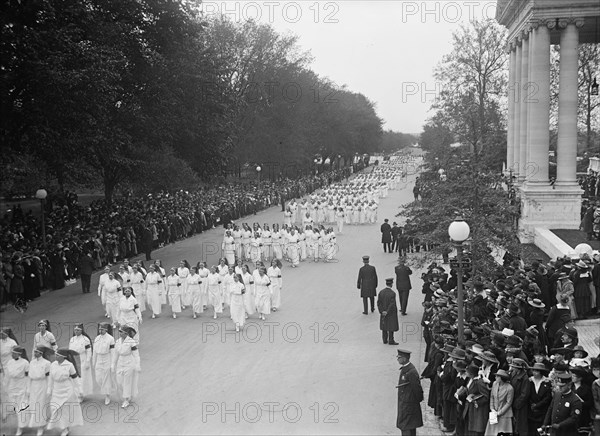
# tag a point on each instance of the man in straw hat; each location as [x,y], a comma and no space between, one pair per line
[386,304]
[565,409]
[410,395]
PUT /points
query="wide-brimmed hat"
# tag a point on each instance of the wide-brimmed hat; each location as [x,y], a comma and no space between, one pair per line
[563,275]
[489,356]
[536,302]
[580,371]
[519,363]
[580,349]
[477,349]
[539,367]
[566,352]
[458,354]
[448,349]
[502,373]
[570,332]
[581,264]
[532,331]
[514,341]
[459,365]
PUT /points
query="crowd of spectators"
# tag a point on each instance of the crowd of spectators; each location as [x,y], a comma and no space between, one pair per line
[125,228]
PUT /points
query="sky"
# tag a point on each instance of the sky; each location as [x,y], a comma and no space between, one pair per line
[386,50]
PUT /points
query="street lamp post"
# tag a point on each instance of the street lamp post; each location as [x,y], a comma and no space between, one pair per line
[258,170]
[41,195]
[316,161]
[459,232]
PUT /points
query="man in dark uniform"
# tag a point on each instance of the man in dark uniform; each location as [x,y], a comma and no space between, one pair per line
[86,268]
[410,395]
[386,303]
[367,283]
[386,236]
[395,235]
[403,284]
[565,410]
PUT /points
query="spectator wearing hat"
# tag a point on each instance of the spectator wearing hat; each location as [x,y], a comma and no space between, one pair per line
[516,321]
[103,357]
[520,383]
[386,236]
[564,286]
[16,371]
[595,365]
[39,371]
[436,359]
[581,387]
[403,284]
[540,396]
[536,318]
[585,294]
[560,339]
[395,234]
[460,385]
[426,325]
[501,399]
[557,318]
[489,367]
[565,409]
[65,411]
[447,379]
[410,396]
[386,304]
[367,283]
[476,399]
[86,268]
[81,343]
[127,365]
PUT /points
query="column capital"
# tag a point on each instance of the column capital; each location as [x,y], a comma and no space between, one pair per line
[550,23]
[524,36]
[564,22]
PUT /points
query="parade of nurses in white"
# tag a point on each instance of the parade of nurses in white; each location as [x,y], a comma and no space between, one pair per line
[247,282]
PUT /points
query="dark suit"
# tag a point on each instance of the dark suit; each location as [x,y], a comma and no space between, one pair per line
[386,237]
[395,234]
[410,395]
[538,404]
[565,410]
[386,302]
[367,283]
[403,285]
[520,405]
[86,268]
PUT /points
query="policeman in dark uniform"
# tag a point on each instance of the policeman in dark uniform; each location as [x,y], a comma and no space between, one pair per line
[565,410]
[386,303]
[410,395]
[367,283]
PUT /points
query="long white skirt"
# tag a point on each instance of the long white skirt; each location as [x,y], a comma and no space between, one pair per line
[104,377]
[276,295]
[140,296]
[277,251]
[127,381]
[215,299]
[263,303]
[154,299]
[175,302]
[112,308]
[17,387]
[38,402]
[237,309]
[249,302]
[65,407]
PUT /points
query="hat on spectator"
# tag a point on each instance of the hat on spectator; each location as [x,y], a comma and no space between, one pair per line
[489,356]
[579,348]
[539,367]
[536,302]
[519,363]
[503,374]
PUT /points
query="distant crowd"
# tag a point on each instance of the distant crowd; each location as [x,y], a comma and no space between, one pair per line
[127,227]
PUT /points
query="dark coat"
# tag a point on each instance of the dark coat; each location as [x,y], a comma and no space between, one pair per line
[86,265]
[565,410]
[539,401]
[476,418]
[386,233]
[396,232]
[367,281]
[403,278]
[520,404]
[587,400]
[410,395]
[386,302]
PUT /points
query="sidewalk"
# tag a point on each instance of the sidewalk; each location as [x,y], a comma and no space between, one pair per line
[589,335]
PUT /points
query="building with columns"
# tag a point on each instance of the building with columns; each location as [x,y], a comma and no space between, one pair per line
[533,26]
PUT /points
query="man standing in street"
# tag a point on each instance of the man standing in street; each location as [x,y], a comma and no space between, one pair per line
[86,268]
[395,235]
[367,283]
[386,303]
[386,236]
[410,395]
[565,410]
[403,284]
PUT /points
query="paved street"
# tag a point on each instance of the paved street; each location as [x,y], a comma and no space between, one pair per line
[317,366]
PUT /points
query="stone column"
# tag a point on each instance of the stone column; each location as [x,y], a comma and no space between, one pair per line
[510,140]
[529,92]
[538,99]
[523,112]
[517,105]
[567,103]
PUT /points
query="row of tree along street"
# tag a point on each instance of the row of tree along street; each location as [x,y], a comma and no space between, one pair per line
[151,94]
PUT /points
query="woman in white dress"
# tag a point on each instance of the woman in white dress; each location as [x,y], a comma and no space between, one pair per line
[101,293]
[215,296]
[194,286]
[237,302]
[329,245]
[293,249]
[303,209]
[17,382]
[263,293]
[228,247]
[137,284]
[154,290]
[7,342]
[227,281]
[249,295]
[112,289]
[63,392]
[315,244]
[348,210]
[127,365]
[44,336]
[302,244]
[158,267]
[37,392]
[277,241]
[129,311]
[308,232]
[174,291]
[274,273]
[203,272]
[102,357]
[339,219]
[356,211]
[313,210]
[256,248]
[307,220]
[267,241]
[81,343]
[246,236]
[183,271]
[237,239]
[287,217]
[331,212]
